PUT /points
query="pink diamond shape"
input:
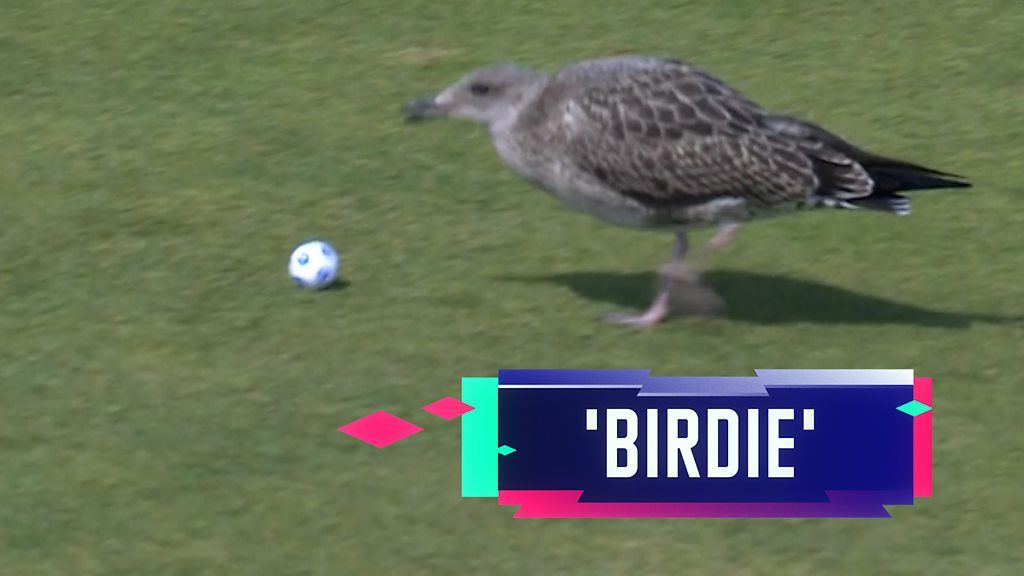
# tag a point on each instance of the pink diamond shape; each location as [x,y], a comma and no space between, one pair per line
[447,408]
[380,429]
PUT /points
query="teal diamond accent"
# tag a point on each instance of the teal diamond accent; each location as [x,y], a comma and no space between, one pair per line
[914,408]
[505,450]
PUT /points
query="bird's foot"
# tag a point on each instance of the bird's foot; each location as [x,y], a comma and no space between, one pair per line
[697,299]
[690,295]
[682,292]
[640,321]
[649,319]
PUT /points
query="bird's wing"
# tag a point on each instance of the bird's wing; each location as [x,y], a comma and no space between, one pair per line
[667,134]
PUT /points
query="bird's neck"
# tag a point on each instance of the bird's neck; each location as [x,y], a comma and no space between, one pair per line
[518,111]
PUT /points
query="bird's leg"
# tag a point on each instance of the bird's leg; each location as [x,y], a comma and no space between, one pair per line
[659,307]
[723,236]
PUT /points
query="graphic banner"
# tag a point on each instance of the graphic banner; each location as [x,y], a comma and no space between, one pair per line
[623,443]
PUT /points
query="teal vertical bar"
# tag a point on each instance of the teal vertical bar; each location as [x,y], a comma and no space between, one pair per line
[480,438]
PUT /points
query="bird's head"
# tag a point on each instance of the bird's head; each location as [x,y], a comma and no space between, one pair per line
[488,96]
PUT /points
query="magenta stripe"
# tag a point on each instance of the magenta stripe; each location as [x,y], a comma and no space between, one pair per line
[923,440]
[566,504]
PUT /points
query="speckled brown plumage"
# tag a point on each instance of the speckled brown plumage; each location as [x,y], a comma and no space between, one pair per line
[668,135]
[654,143]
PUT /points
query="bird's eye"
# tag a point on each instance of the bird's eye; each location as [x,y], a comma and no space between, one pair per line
[479,89]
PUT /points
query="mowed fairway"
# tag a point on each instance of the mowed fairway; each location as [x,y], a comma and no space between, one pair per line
[168,399]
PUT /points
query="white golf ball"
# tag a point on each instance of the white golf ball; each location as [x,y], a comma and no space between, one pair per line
[314,265]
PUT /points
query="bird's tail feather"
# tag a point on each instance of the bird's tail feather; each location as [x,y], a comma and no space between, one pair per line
[888,175]
[892,176]
[897,176]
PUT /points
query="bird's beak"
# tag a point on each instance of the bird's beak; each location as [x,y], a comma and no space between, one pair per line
[422,109]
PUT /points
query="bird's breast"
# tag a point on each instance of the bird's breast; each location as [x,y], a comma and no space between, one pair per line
[540,164]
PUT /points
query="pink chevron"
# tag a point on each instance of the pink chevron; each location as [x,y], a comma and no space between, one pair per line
[923,440]
[566,504]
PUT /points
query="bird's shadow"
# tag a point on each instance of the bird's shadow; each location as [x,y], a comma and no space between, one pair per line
[766,299]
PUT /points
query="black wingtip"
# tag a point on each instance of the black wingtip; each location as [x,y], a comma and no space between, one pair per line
[909,177]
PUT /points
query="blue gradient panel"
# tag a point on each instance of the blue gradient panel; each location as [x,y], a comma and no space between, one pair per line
[860,441]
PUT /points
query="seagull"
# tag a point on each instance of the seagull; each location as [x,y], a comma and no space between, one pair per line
[654,143]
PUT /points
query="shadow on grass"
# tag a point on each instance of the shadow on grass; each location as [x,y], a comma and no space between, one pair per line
[764,299]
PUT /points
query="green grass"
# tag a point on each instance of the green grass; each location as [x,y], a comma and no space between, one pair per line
[168,399]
